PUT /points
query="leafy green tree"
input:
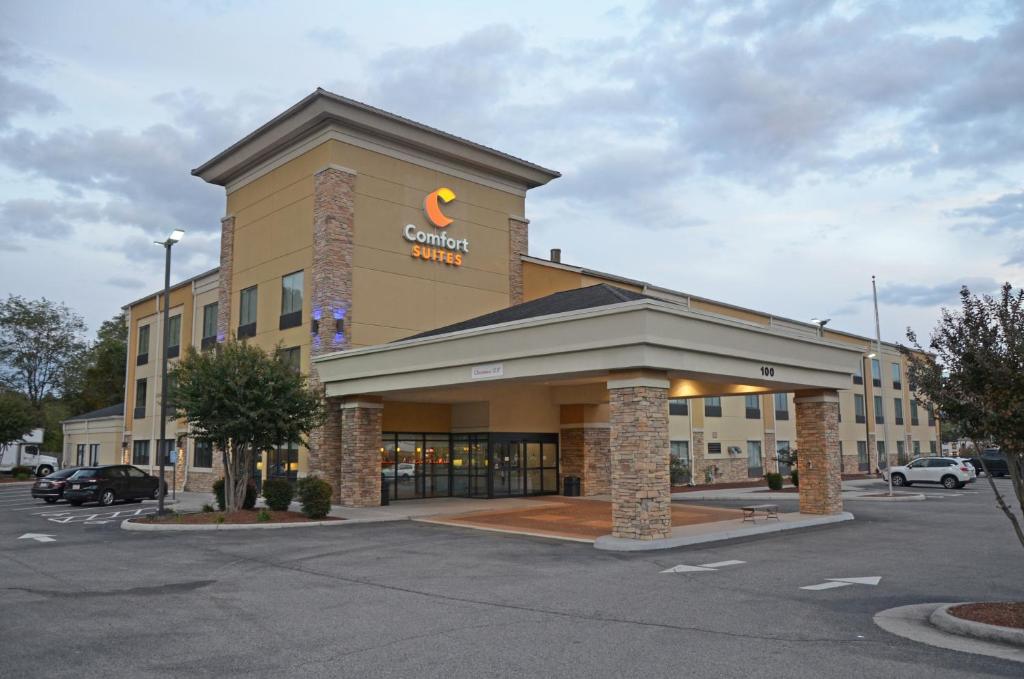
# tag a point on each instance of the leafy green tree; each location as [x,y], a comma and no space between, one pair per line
[243,401]
[17,416]
[41,347]
[101,378]
[974,378]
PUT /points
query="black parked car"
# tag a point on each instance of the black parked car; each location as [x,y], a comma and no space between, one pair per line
[109,483]
[51,487]
[995,460]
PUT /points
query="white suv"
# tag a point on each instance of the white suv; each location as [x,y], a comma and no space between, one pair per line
[945,470]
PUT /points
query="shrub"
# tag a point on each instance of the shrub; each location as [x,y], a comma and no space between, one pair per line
[774,481]
[263,516]
[207,508]
[250,495]
[278,494]
[315,497]
[795,478]
[220,519]
[21,472]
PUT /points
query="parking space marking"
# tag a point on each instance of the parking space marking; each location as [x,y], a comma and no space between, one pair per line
[828,585]
[719,564]
[95,518]
[683,568]
[832,583]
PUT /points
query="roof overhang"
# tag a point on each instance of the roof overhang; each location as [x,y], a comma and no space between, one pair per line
[322,110]
[702,354]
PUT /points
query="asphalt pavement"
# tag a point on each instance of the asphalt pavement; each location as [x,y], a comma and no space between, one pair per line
[407,599]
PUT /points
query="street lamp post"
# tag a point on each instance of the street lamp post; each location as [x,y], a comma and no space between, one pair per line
[175,236]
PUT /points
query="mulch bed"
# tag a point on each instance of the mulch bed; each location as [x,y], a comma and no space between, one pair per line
[996,613]
[241,516]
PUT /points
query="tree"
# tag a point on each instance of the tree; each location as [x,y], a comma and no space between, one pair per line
[17,416]
[975,379]
[102,376]
[41,346]
[243,401]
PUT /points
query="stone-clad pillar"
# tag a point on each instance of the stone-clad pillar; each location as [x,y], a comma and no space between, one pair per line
[584,452]
[360,452]
[227,259]
[639,442]
[331,304]
[817,443]
[333,242]
[518,245]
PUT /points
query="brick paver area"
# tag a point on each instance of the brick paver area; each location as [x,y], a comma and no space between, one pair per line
[576,518]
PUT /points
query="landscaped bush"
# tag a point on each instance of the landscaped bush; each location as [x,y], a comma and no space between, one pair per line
[21,472]
[795,478]
[250,495]
[263,516]
[774,481]
[278,494]
[315,497]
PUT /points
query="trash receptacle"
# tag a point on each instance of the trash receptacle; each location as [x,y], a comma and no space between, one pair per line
[385,491]
[571,486]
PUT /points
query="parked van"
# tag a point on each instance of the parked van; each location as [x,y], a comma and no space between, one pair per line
[25,453]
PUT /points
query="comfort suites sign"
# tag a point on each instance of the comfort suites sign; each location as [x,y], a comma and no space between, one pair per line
[436,245]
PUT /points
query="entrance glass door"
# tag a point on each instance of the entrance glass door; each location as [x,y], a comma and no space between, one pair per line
[524,464]
[507,459]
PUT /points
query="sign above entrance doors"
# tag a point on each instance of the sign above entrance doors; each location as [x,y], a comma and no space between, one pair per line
[436,246]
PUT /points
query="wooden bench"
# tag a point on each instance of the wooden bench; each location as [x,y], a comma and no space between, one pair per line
[770,512]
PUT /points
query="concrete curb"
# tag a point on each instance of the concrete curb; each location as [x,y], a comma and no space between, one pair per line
[913,622]
[613,544]
[128,524]
[795,497]
[912,497]
[948,622]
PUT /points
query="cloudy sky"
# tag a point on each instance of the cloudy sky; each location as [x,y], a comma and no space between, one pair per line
[773,155]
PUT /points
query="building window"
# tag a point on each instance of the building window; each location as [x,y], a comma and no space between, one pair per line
[858,373]
[931,417]
[209,326]
[94,453]
[876,372]
[292,357]
[883,461]
[713,407]
[931,447]
[781,406]
[863,464]
[140,452]
[247,313]
[917,449]
[842,460]
[142,357]
[755,464]
[202,454]
[783,457]
[291,300]
[140,397]
[898,408]
[901,452]
[80,455]
[879,413]
[858,409]
[173,336]
[715,448]
[897,379]
[753,406]
[680,471]
[678,406]
[913,413]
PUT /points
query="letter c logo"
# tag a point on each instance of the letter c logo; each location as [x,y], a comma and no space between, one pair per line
[433,208]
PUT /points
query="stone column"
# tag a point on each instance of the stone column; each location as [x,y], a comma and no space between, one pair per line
[639,441]
[817,443]
[227,264]
[518,245]
[331,304]
[360,452]
[771,462]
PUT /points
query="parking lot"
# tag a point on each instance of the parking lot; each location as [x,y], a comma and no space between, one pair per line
[406,599]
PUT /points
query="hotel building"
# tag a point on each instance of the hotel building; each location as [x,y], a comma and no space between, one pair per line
[389,262]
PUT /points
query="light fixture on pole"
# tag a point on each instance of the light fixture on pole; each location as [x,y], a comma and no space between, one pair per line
[162,448]
[821,323]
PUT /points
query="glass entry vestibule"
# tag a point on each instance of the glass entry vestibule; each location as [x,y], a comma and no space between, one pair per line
[469,465]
